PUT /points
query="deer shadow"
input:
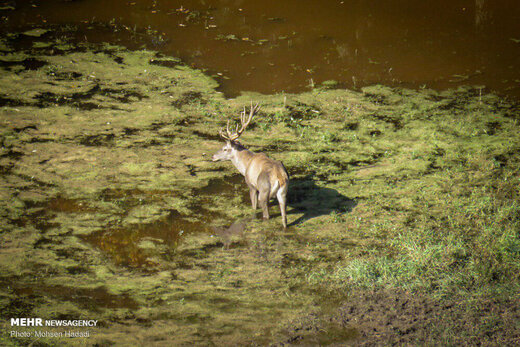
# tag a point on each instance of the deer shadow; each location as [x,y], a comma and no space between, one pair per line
[306,197]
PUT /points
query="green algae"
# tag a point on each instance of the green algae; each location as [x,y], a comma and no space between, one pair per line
[36,32]
[106,170]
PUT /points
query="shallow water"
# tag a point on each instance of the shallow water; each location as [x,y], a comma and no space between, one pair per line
[89,297]
[136,244]
[133,246]
[271,46]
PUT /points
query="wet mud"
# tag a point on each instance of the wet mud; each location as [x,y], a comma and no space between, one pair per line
[393,317]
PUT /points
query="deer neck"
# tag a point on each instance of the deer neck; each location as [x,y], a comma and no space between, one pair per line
[241,160]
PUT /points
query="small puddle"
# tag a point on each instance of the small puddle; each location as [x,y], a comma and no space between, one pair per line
[38,213]
[135,246]
[85,297]
[60,204]
[227,186]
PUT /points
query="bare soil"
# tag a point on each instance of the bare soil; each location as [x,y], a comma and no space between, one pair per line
[396,317]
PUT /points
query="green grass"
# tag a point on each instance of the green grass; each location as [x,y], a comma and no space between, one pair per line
[452,244]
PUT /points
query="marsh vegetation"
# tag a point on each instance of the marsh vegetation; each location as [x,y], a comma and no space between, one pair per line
[403,207]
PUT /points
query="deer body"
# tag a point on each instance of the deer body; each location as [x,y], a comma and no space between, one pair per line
[265,177]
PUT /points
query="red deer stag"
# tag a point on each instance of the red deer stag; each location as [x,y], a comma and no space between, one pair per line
[265,177]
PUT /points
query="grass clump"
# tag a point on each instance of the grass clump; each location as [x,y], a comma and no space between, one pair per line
[463,244]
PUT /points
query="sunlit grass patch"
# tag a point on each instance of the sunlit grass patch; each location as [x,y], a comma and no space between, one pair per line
[467,244]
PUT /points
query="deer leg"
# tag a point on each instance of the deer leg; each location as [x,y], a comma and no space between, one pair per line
[253,193]
[264,188]
[281,195]
[264,203]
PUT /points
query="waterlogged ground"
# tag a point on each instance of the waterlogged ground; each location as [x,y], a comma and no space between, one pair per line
[403,208]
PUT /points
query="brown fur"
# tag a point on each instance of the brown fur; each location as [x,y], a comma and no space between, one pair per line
[265,177]
[259,162]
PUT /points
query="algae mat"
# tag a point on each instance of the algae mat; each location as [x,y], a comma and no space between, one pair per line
[111,209]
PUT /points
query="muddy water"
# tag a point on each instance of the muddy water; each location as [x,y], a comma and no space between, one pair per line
[93,298]
[136,245]
[133,246]
[273,46]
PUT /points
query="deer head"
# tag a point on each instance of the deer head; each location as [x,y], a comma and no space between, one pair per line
[227,152]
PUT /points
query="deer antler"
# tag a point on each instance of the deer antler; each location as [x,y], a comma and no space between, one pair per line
[244,121]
